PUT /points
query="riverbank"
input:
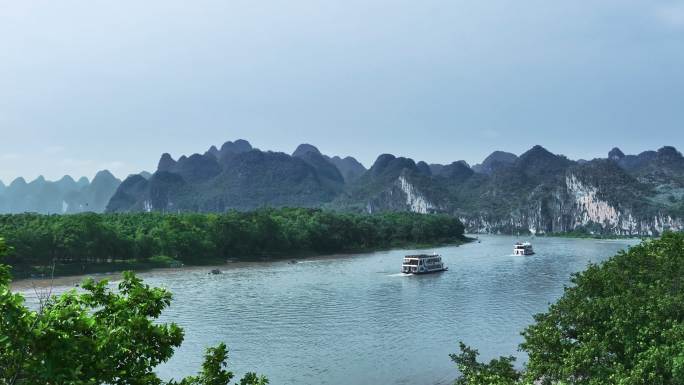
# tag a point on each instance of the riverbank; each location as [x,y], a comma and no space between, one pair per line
[84,243]
[164,262]
[582,235]
[362,302]
[571,234]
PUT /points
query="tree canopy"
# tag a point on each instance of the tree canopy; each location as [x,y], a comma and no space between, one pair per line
[97,336]
[620,323]
[83,239]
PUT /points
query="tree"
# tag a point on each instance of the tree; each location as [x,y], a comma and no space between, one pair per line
[497,372]
[72,243]
[621,323]
[96,337]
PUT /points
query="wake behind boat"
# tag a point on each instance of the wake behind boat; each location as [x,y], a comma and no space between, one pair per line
[423,264]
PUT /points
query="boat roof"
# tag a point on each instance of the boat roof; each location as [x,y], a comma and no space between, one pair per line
[422,256]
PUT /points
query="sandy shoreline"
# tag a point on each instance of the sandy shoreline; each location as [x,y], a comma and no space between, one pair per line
[29,284]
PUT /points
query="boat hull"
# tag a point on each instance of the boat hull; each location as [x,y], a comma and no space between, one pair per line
[422,264]
[427,272]
[523,254]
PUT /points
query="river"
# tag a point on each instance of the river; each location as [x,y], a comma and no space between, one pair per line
[353,319]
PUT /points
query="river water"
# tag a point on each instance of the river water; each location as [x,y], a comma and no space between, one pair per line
[353,319]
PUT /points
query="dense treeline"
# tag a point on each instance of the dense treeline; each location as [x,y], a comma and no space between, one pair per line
[40,240]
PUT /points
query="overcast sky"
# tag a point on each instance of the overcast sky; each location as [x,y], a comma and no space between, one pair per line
[86,85]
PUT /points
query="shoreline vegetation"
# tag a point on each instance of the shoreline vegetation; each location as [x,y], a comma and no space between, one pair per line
[63,245]
[99,336]
[576,234]
[164,262]
[619,322]
[583,233]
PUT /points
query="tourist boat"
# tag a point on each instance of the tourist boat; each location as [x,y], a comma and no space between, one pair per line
[423,264]
[523,248]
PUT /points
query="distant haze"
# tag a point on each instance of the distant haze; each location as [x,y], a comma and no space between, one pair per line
[90,85]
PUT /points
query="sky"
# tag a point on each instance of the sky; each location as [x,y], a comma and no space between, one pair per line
[87,85]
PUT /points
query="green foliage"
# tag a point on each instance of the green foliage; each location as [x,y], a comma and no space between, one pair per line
[214,372]
[90,239]
[96,337]
[621,323]
[4,249]
[164,260]
[497,372]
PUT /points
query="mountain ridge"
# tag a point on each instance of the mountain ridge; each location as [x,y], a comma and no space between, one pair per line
[62,196]
[537,191]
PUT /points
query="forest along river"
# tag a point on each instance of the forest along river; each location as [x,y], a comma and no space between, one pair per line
[353,319]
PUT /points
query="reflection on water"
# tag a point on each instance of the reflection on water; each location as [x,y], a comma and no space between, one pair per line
[356,320]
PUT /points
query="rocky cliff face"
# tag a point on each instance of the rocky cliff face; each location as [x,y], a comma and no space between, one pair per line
[391,184]
[402,195]
[537,192]
[575,205]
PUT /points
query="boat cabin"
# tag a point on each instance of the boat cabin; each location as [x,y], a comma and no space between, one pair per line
[523,248]
[422,263]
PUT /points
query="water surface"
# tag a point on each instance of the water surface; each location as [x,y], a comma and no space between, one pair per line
[353,319]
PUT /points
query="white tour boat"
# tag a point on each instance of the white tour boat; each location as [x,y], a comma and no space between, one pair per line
[422,264]
[523,248]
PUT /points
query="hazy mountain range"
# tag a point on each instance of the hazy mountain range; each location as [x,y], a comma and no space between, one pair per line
[64,196]
[237,176]
[537,191]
